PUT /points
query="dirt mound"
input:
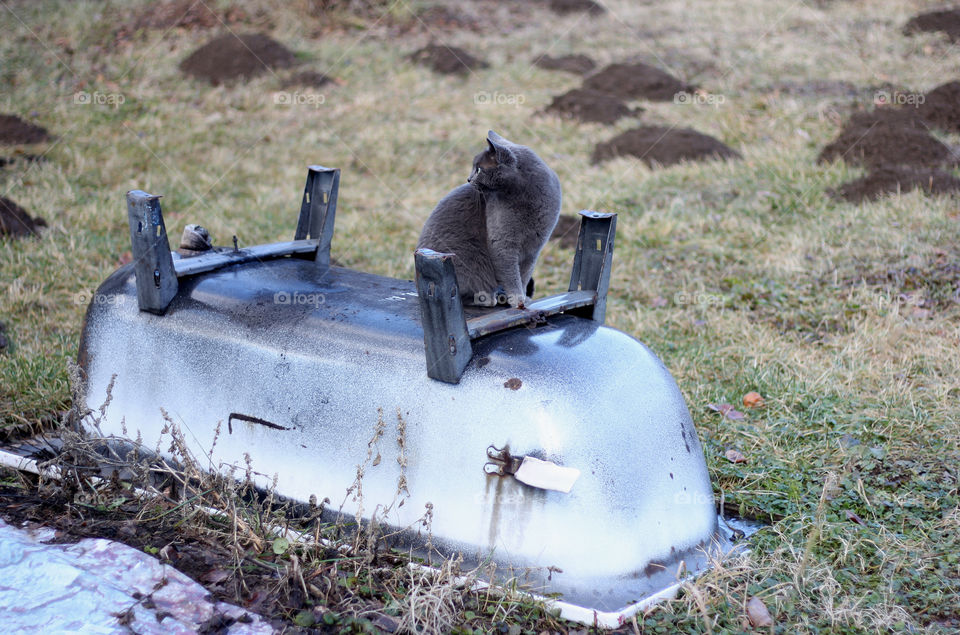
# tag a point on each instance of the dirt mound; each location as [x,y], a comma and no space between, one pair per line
[663,145]
[887,137]
[637,81]
[576,64]
[312,79]
[566,231]
[229,57]
[892,179]
[14,131]
[563,7]
[439,17]
[449,60]
[15,221]
[941,107]
[185,14]
[946,21]
[591,106]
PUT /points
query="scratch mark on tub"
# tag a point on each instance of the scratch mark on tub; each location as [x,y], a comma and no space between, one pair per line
[249,419]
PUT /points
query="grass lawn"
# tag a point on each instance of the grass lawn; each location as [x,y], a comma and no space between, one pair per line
[743,275]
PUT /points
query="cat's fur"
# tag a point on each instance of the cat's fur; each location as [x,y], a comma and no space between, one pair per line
[497,223]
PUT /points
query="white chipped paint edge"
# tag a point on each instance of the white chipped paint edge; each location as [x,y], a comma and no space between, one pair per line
[575,612]
[568,611]
[25,464]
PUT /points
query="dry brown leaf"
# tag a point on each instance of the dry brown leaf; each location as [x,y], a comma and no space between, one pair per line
[854,518]
[735,456]
[727,411]
[757,613]
[753,400]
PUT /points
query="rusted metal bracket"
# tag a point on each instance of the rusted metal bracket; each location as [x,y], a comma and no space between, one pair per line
[447,336]
[152,261]
[446,341]
[318,210]
[157,273]
[501,462]
[593,261]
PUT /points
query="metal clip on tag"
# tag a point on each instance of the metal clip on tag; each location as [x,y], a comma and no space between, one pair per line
[501,462]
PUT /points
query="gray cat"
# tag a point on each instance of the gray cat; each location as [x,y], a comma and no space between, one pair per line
[497,223]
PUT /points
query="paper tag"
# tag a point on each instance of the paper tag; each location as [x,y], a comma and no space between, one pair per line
[546,475]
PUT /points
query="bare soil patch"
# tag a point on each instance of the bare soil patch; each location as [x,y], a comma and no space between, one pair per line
[577,64]
[941,107]
[591,106]
[16,222]
[185,14]
[231,57]
[441,18]
[887,137]
[663,145]
[448,60]
[637,81]
[15,131]
[564,7]
[946,21]
[891,179]
[566,231]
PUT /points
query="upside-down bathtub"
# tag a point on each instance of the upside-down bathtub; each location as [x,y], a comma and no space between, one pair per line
[536,439]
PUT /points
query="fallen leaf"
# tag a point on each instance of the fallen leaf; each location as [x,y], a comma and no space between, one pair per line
[125,618]
[727,411]
[280,545]
[386,623]
[124,258]
[854,518]
[757,613]
[215,575]
[169,553]
[753,400]
[513,383]
[735,456]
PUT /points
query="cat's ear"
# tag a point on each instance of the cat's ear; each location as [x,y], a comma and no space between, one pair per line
[498,145]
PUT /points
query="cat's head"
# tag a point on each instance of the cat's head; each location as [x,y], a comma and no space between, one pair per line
[495,167]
